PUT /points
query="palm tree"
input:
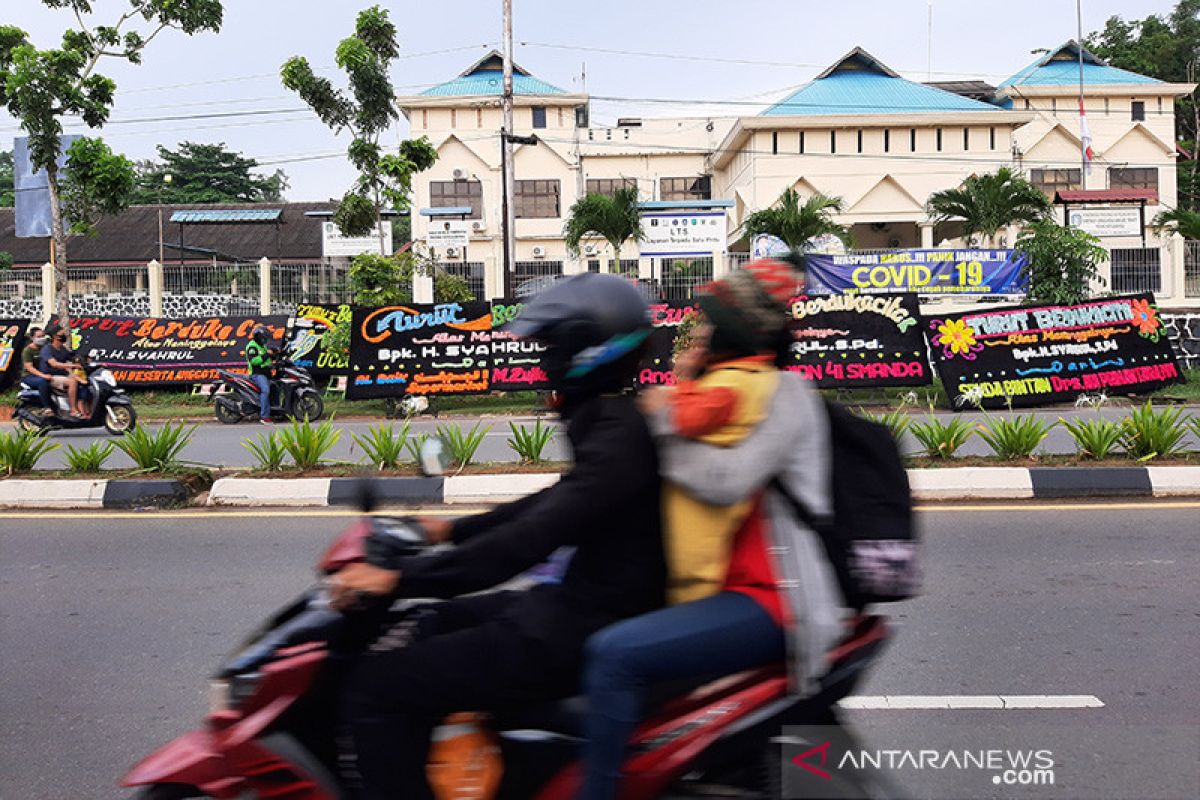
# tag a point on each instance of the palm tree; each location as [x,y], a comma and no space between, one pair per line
[796,222]
[614,219]
[988,203]
[1180,219]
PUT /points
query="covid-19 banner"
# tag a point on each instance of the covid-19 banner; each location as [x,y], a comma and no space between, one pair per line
[1030,355]
[927,272]
[12,339]
[845,341]
[152,351]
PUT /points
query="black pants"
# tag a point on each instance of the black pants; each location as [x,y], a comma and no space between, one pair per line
[461,655]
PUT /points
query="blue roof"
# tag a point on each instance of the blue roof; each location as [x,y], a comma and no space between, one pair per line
[860,84]
[1060,67]
[228,215]
[485,78]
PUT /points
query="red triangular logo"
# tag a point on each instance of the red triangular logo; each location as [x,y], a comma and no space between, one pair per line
[823,751]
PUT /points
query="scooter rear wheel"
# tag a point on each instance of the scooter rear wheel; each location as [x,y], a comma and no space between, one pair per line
[226,411]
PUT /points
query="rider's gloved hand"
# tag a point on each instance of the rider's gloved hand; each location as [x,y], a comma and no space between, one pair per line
[347,586]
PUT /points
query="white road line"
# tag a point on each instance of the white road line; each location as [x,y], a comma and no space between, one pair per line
[954,702]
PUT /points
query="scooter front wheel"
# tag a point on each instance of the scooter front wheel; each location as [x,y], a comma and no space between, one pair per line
[119,419]
[26,426]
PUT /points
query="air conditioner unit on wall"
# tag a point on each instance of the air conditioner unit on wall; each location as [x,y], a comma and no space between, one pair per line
[451,252]
[478,226]
[459,174]
[539,252]
[590,249]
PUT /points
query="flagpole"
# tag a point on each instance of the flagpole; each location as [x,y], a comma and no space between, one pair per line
[1083,126]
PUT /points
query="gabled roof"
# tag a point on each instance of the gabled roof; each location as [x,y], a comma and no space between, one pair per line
[859,83]
[485,78]
[1060,67]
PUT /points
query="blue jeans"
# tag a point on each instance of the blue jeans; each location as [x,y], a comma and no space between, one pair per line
[726,633]
[264,394]
[41,385]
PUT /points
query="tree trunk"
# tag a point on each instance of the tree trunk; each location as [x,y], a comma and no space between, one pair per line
[617,259]
[62,286]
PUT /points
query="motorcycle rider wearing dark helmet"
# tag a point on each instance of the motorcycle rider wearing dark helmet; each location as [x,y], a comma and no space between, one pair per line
[258,360]
[508,649]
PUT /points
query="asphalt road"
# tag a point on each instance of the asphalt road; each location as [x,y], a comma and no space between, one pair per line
[110,625]
[221,445]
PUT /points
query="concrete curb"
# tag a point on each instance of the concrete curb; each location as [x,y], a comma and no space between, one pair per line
[66,493]
[950,483]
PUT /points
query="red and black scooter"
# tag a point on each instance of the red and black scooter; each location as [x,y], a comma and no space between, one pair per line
[272,729]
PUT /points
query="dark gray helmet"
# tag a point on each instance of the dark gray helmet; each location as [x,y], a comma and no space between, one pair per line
[595,328]
[260,334]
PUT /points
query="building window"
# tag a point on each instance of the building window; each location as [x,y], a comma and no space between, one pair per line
[1054,180]
[833,141]
[939,140]
[454,194]
[560,116]
[609,186]
[453,118]
[536,199]
[471,272]
[479,118]
[424,118]
[991,138]
[593,265]
[912,140]
[581,118]
[699,188]
[1137,110]
[1053,105]
[1133,178]
[539,116]
[966,139]
[801,151]
[1106,107]
[1027,106]
[860,140]
[887,141]
[775,143]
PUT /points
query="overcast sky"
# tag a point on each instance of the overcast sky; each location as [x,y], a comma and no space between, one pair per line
[789,40]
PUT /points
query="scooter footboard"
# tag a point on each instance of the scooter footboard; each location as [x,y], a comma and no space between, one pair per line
[191,760]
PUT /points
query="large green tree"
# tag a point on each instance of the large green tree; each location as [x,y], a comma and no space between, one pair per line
[206,173]
[42,87]
[7,188]
[614,219]
[367,110]
[1166,47]
[796,221]
[1062,262]
[986,204]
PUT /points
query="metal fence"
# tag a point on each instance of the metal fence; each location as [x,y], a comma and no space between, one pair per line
[108,281]
[1136,269]
[292,284]
[21,284]
[531,277]
[738,260]
[678,278]
[1191,269]
[470,271]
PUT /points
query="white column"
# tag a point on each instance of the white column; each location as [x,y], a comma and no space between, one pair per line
[720,263]
[48,294]
[1176,249]
[264,286]
[926,235]
[154,271]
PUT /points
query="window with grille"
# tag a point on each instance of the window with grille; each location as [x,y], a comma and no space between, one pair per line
[539,116]
[609,186]
[1137,110]
[471,272]
[1133,178]
[1054,180]
[455,194]
[536,199]
[699,188]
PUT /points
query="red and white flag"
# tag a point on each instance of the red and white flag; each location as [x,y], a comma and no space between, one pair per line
[1085,138]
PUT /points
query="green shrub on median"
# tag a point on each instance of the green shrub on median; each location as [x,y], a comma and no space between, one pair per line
[1015,437]
[1148,434]
[1094,438]
[268,451]
[307,445]
[157,451]
[461,445]
[20,451]
[529,443]
[942,439]
[91,458]
[383,445]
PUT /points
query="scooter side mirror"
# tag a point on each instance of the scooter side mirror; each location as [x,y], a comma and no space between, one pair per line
[433,458]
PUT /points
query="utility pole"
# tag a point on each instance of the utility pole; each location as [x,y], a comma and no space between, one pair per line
[1084,132]
[506,153]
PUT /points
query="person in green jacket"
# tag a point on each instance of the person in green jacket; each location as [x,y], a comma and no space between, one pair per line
[258,359]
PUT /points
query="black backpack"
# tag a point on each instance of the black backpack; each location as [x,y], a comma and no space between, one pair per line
[871,538]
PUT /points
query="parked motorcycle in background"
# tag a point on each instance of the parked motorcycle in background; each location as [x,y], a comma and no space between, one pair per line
[110,406]
[293,394]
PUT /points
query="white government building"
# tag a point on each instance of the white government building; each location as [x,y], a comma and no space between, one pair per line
[857,131]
